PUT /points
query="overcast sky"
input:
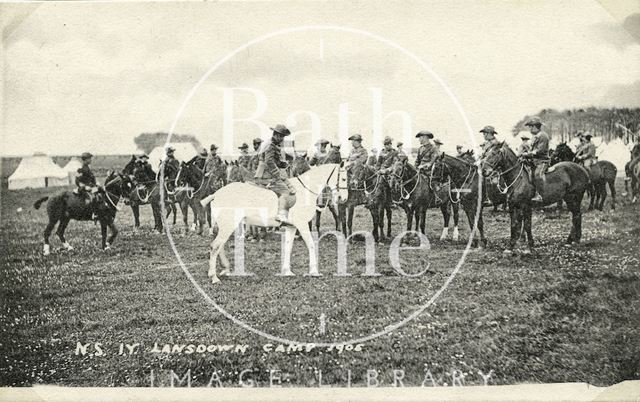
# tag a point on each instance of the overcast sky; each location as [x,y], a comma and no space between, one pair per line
[92,76]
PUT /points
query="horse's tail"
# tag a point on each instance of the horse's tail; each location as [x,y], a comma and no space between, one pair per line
[205,201]
[37,204]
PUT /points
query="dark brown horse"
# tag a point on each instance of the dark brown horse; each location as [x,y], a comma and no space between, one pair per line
[415,193]
[464,189]
[564,181]
[377,196]
[68,205]
[144,191]
[601,174]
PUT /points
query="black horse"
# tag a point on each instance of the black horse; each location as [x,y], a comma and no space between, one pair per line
[377,196]
[144,191]
[68,205]
[601,174]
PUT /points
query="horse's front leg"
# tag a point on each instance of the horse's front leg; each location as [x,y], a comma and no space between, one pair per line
[289,237]
[103,232]
[313,254]
[47,234]
[375,217]
[135,208]
[114,233]
[516,227]
[389,216]
[335,216]
[350,214]
[527,211]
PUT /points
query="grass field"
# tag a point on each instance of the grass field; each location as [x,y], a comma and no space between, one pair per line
[560,315]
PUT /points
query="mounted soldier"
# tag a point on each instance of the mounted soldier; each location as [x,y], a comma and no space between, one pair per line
[213,160]
[199,160]
[539,153]
[86,180]
[459,151]
[427,152]
[586,154]
[244,159]
[387,156]
[436,144]
[271,174]
[170,164]
[320,155]
[144,171]
[401,154]
[490,139]
[358,154]
[253,164]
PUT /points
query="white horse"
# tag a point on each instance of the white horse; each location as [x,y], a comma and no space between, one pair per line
[257,206]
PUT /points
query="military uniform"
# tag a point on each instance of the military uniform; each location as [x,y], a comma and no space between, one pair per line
[244,160]
[269,174]
[357,156]
[540,146]
[427,154]
[318,158]
[85,177]
[171,167]
[386,158]
[144,172]
[212,163]
[586,154]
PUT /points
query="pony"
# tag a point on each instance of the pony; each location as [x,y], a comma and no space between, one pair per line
[414,192]
[377,194]
[464,189]
[258,206]
[68,205]
[193,186]
[566,181]
[142,191]
[601,174]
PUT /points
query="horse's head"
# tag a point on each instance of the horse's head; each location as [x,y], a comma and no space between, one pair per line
[439,169]
[468,156]
[494,159]
[299,165]
[561,153]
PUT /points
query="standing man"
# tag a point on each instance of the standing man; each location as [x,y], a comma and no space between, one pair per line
[387,156]
[524,146]
[213,160]
[270,175]
[427,152]
[539,153]
[320,154]
[358,154]
[253,163]
[244,159]
[586,155]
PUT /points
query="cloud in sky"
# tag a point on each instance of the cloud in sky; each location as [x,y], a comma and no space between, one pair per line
[92,76]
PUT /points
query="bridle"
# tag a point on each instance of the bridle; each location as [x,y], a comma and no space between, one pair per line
[466,183]
[404,194]
[499,174]
[107,192]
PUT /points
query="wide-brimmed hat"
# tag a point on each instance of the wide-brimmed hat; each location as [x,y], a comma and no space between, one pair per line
[213,147]
[424,133]
[524,137]
[488,129]
[399,144]
[587,136]
[257,140]
[322,141]
[170,149]
[281,129]
[534,121]
[143,156]
[243,146]
[579,134]
[86,155]
[437,142]
[387,140]
[203,152]
[355,137]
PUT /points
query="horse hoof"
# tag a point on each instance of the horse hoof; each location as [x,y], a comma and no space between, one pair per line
[46,250]
[215,280]
[67,246]
[224,272]
[211,232]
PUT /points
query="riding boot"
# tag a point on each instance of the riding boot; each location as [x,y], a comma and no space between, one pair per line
[536,197]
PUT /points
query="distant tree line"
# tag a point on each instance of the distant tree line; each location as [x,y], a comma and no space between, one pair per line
[147,141]
[600,122]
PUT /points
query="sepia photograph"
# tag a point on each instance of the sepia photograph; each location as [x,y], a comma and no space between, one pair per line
[320,200]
